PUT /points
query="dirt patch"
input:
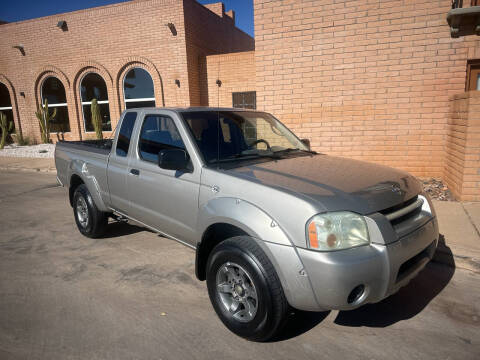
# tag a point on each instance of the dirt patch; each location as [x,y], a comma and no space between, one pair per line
[149,275]
[74,272]
[437,189]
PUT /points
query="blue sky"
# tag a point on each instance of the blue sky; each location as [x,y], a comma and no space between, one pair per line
[17,10]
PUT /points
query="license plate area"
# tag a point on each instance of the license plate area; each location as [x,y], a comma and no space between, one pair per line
[414,263]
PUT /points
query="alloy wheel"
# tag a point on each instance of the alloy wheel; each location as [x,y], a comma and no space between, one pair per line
[237,291]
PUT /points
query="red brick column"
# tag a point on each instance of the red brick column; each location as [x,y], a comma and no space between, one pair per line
[462,163]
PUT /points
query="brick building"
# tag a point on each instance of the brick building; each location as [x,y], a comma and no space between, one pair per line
[137,53]
[381,81]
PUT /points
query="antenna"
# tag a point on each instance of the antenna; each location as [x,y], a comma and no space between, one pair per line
[219,83]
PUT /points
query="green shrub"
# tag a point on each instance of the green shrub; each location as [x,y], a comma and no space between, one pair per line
[22,140]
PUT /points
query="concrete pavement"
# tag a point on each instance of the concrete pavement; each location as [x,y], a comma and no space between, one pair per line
[27,164]
[133,295]
[459,223]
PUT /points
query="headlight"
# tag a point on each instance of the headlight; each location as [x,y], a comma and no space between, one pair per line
[337,230]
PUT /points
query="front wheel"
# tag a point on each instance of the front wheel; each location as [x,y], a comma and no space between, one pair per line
[90,221]
[245,290]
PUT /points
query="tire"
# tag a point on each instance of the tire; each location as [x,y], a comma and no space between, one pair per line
[255,309]
[90,221]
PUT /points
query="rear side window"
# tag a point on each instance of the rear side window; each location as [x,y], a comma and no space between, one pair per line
[125,133]
[158,133]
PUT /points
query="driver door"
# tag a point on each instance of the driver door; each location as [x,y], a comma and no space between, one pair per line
[166,200]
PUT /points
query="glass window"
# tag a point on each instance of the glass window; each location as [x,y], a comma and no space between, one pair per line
[138,89]
[158,133]
[54,92]
[231,141]
[5,102]
[93,87]
[245,100]
[125,133]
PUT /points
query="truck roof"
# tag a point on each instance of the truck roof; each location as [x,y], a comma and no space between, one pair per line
[196,108]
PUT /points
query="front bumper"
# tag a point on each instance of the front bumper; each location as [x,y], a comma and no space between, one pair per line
[381,269]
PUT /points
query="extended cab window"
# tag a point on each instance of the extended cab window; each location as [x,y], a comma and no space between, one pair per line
[125,133]
[158,133]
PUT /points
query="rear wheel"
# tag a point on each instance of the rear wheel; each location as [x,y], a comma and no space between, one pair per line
[245,290]
[90,221]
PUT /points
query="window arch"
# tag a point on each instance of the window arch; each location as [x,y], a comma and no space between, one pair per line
[92,87]
[6,103]
[54,92]
[138,89]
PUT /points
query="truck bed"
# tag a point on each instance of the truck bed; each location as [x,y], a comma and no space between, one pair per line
[97,146]
[90,156]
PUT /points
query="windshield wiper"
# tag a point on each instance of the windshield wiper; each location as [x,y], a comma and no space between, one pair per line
[296,149]
[240,157]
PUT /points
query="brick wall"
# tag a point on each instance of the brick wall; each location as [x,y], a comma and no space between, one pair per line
[462,163]
[237,73]
[209,30]
[110,40]
[364,79]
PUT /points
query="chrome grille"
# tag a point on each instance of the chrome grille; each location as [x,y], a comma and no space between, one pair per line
[409,215]
[418,203]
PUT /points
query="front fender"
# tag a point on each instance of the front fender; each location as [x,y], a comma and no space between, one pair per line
[273,241]
[81,169]
[245,216]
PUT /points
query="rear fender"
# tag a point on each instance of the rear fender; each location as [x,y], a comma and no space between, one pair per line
[80,168]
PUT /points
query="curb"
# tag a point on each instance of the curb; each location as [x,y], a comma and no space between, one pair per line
[14,168]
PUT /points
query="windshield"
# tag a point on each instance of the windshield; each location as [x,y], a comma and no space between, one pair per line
[241,135]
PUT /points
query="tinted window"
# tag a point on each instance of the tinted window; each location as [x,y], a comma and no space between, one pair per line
[54,92]
[138,89]
[5,97]
[139,104]
[158,133]
[212,141]
[240,134]
[5,103]
[125,133]
[93,87]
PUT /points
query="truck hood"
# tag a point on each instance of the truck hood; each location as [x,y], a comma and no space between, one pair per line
[336,183]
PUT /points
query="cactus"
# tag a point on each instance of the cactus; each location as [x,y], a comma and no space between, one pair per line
[96,119]
[44,118]
[6,126]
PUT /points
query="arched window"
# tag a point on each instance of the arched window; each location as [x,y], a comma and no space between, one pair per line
[6,102]
[92,87]
[138,89]
[54,92]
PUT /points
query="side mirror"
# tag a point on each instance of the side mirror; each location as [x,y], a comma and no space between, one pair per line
[173,159]
[306,142]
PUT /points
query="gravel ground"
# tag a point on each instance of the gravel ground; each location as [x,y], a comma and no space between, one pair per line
[437,189]
[33,151]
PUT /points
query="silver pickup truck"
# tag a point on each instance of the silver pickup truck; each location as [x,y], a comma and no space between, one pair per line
[273,223]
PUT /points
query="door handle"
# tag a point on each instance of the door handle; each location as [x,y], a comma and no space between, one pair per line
[135,172]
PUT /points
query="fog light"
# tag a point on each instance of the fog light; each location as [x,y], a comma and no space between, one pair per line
[356,294]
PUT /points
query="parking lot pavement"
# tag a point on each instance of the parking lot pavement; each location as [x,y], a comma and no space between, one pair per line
[133,295]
